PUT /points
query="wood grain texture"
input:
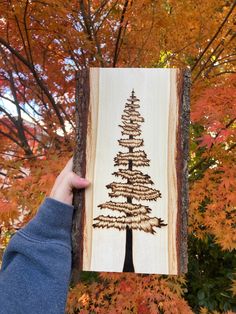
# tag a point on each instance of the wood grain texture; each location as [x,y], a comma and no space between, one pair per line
[90,153]
[173,122]
[184,82]
[79,167]
[92,94]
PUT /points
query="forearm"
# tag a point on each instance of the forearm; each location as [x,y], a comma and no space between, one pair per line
[37,263]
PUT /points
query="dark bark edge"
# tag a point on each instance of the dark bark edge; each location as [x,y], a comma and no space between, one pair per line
[79,167]
[184,82]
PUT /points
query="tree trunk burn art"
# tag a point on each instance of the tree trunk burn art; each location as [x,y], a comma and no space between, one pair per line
[132,218]
[135,216]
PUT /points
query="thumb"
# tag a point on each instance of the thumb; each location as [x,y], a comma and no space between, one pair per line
[77,182]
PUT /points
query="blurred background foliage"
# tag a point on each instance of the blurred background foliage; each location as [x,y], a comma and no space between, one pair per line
[43,46]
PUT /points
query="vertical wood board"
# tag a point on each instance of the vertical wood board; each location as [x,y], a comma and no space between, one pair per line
[135,211]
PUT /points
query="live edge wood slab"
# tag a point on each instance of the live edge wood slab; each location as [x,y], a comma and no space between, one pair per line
[132,144]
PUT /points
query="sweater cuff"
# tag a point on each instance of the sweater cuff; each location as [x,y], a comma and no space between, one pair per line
[53,221]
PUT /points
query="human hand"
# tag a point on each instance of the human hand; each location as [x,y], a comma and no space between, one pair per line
[64,184]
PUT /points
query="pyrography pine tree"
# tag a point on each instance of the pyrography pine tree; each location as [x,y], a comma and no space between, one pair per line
[137,186]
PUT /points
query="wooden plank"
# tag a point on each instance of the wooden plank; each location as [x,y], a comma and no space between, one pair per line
[122,232]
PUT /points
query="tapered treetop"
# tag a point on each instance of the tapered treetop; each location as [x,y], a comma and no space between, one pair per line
[134,184]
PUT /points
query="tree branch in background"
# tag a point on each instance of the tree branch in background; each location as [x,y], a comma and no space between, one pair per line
[214,37]
[18,121]
[38,80]
[89,27]
[118,38]
[7,135]
[216,53]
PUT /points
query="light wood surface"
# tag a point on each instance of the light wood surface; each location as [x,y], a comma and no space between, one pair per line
[157,233]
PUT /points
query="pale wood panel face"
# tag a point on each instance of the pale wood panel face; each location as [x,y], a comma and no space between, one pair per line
[104,248]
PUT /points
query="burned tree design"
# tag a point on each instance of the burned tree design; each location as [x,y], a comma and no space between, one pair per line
[135,216]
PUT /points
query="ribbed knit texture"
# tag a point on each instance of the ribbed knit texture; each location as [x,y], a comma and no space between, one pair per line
[36,264]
